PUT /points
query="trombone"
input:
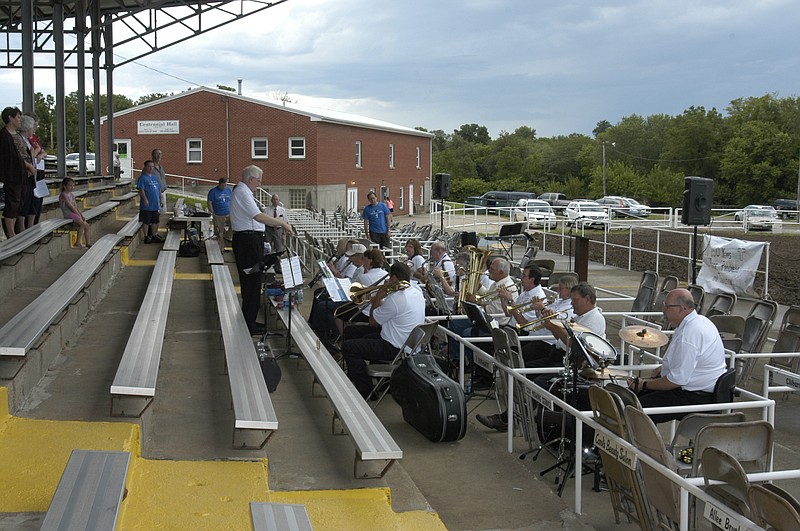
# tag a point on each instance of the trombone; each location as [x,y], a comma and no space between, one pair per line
[540,322]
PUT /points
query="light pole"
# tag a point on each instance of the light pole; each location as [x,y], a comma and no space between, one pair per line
[604,163]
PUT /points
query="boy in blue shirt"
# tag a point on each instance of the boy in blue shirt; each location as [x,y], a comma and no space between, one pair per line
[219,204]
[377,221]
[150,202]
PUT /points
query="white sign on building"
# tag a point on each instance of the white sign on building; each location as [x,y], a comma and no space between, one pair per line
[158,127]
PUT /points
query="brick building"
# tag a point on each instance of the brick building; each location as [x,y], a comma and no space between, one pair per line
[311,157]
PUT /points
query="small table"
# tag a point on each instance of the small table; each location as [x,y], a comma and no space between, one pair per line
[185,222]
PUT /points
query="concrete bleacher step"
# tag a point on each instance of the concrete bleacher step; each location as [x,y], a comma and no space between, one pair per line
[198,494]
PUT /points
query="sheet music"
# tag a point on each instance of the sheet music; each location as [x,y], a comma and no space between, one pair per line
[324,269]
[292,272]
[338,288]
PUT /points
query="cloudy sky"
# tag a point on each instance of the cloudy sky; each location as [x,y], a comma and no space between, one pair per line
[557,66]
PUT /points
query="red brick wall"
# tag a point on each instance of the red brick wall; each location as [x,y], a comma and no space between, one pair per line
[330,148]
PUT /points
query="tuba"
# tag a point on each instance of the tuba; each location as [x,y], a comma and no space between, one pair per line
[472,281]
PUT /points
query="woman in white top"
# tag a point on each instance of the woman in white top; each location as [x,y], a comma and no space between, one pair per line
[416,258]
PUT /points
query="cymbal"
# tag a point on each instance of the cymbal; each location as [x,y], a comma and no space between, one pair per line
[575,327]
[602,374]
[643,336]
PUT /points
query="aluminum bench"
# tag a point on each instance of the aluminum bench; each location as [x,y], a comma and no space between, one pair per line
[214,253]
[279,517]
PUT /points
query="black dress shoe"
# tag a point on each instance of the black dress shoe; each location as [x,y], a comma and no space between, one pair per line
[496,422]
[258,331]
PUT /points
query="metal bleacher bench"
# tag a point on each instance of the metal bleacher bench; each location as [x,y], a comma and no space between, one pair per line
[91,213]
[131,228]
[129,195]
[90,491]
[254,416]
[214,253]
[373,443]
[173,241]
[279,517]
[134,385]
[30,237]
[19,334]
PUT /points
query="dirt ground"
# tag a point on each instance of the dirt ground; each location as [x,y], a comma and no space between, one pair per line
[784,259]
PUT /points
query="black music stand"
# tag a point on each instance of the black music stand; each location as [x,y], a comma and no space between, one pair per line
[509,234]
[568,462]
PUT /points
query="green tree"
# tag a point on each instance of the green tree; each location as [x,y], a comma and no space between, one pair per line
[757,164]
[477,134]
[664,187]
[147,98]
[694,142]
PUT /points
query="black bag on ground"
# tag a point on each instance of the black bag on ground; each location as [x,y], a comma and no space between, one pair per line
[269,366]
[431,402]
[190,247]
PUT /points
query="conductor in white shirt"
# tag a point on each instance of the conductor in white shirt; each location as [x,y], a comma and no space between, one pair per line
[248,223]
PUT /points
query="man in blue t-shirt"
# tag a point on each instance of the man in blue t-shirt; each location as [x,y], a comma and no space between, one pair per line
[377,221]
[219,204]
[149,202]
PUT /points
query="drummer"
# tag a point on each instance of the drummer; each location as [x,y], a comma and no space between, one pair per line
[587,314]
[694,360]
[550,353]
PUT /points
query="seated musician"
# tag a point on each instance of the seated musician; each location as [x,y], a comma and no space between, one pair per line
[373,273]
[694,360]
[493,304]
[441,263]
[321,317]
[524,310]
[341,260]
[451,282]
[393,314]
[416,258]
[543,354]
[563,306]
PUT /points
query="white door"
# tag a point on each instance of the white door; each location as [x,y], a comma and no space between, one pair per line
[410,199]
[352,199]
[125,156]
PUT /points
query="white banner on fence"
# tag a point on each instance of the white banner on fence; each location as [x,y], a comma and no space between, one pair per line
[729,265]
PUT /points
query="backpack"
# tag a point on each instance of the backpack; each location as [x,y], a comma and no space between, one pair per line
[190,247]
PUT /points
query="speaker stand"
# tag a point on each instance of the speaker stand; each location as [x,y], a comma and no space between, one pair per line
[441,219]
[694,256]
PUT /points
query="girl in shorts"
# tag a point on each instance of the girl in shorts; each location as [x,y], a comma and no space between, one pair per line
[66,201]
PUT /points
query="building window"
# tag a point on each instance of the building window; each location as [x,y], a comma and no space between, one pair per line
[194,150]
[297,198]
[421,195]
[259,148]
[358,153]
[402,198]
[391,155]
[297,148]
[418,158]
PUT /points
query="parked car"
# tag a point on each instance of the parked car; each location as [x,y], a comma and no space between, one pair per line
[586,213]
[536,212]
[624,207]
[556,199]
[787,208]
[72,162]
[498,199]
[762,217]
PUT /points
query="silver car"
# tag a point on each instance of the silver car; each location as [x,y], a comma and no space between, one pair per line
[536,212]
[758,217]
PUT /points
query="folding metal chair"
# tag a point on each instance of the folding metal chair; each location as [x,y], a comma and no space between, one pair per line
[647,290]
[771,510]
[721,304]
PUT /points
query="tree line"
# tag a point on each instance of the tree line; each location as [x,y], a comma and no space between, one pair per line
[752,154]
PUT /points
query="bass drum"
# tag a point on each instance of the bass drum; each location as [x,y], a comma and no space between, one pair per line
[548,423]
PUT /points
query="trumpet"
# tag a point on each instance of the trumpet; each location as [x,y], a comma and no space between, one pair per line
[359,299]
[493,294]
[525,306]
[540,321]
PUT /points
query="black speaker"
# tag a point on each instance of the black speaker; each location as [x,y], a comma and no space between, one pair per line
[697,192]
[441,186]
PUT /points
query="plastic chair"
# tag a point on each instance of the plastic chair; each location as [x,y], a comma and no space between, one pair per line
[698,294]
[647,290]
[719,466]
[556,277]
[748,442]
[731,330]
[770,510]
[724,388]
[721,304]
[623,484]
[628,397]
[417,340]
[788,340]
[661,493]
[687,429]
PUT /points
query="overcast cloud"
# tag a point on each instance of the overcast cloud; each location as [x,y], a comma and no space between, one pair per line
[559,67]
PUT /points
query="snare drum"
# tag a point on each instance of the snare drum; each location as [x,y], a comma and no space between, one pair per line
[596,349]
